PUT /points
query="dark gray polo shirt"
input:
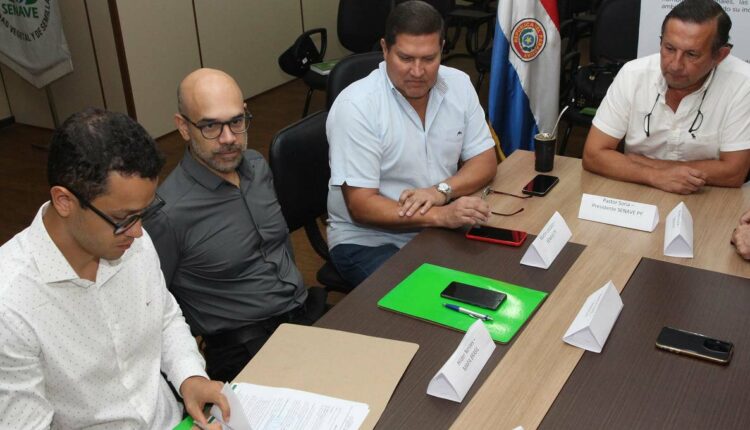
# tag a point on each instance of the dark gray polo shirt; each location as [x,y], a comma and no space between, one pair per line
[225,251]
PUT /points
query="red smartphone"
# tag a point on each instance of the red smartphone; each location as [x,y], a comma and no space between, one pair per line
[497,235]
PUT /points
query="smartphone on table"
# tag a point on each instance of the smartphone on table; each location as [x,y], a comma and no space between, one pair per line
[496,235]
[695,345]
[472,295]
[540,185]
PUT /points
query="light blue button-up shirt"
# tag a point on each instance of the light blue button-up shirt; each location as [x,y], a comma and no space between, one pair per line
[377,140]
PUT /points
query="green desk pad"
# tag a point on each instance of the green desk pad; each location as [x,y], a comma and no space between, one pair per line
[185,424]
[419,296]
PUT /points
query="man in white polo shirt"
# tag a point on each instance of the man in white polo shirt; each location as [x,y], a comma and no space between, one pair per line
[408,143]
[684,113]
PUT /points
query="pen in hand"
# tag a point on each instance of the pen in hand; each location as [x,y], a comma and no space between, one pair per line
[468,312]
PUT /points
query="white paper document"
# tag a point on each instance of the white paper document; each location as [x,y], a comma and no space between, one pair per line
[237,417]
[591,327]
[548,244]
[678,233]
[257,407]
[454,379]
[622,213]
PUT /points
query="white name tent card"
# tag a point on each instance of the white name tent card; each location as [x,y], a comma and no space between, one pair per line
[622,213]
[678,233]
[454,379]
[591,327]
[548,244]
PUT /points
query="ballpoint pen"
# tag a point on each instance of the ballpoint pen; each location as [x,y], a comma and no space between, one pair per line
[468,312]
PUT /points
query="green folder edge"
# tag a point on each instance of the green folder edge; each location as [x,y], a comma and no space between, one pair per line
[185,424]
[419,296]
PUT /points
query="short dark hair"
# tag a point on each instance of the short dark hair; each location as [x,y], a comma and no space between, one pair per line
[699,12]
[94,142]
[413,17]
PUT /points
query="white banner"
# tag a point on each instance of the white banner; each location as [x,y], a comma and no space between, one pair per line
[32,42]
[654,11]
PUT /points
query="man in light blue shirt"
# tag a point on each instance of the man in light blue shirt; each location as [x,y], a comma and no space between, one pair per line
[408,144]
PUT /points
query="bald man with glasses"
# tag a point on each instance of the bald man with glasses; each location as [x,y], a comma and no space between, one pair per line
[684,113]
[221,237]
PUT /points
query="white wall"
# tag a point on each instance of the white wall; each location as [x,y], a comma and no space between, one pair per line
[161,46]
[323,13]
[245,38]
[106,54]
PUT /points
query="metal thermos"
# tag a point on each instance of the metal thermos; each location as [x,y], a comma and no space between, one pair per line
[544,150]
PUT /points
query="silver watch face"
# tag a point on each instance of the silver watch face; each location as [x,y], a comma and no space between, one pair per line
[444,188]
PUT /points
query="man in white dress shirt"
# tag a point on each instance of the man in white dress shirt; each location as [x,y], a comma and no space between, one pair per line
[684,113]
[408,144]
[86,322]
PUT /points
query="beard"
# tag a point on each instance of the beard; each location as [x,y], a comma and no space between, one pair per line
[220,159]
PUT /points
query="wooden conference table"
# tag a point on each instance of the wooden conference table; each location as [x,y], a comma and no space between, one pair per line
[524,385]
[523,379]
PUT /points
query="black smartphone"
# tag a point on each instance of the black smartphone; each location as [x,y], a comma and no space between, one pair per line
[497,235]
[540,185]
[695,345]
[472,295]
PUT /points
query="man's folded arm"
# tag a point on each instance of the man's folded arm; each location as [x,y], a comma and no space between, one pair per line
[600,156]
[730,170]
[367,206]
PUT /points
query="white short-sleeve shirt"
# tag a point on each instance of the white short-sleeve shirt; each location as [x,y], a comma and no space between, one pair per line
[82,354]
[377,141]
[726,112]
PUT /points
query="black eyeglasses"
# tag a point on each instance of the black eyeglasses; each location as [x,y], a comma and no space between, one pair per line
[487,191]
[698,117]
[213,129]
[647,118]
[124,225]
[696,124]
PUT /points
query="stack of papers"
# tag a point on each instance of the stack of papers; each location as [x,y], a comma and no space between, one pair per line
[257,407]
[333,363]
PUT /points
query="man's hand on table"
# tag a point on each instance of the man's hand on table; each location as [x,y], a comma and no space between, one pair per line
[419,199]
[745,218]
[196,392]
[464,211]
[678,179]
[741,240]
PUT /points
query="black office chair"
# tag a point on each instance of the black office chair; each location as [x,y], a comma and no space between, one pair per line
[471,17]
[577,19]
[298,58]
[483,63]
[361,23]
[360,26]
[614,40]
[348,70]
[298,157]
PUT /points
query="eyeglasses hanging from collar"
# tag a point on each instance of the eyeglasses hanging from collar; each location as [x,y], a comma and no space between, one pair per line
[694,126]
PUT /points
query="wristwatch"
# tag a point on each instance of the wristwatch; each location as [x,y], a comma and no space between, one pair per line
[446,189]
